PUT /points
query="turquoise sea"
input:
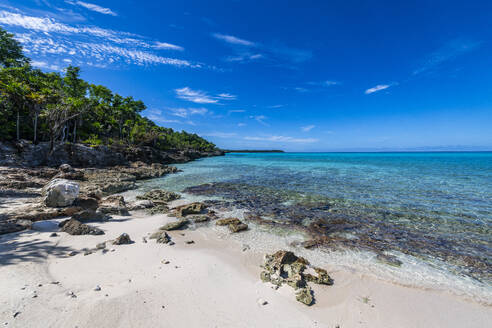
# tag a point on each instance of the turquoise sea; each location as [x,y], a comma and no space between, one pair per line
[432,207]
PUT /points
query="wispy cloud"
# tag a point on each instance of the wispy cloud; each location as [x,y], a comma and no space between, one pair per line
[282,139]
[186,112]
[448,52]
[260,119]
[167,46]
[196,96]
[219,134]
[46,39]
[247,51]
[308,128]
[45,65]
[241,124]
[157,116]
[93,7]
[233,40]
[377,88]
[276,106]
[236,111]
[226,96]
[327,83]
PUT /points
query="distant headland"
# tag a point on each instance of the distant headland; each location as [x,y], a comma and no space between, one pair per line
[254,151]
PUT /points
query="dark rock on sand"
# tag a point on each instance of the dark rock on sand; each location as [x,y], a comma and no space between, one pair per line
[90,215]
[175,225]
[238,227]
[305,295]
[284,267]
[123,239]
[161,237]
[74,227]
[113,205]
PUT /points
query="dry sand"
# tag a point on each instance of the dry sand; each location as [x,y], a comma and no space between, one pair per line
[211,283]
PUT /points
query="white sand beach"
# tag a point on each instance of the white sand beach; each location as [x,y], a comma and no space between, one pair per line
[213,282]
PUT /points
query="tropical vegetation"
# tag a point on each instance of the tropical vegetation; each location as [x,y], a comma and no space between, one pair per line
[53,107]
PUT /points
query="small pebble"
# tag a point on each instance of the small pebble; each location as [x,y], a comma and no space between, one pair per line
[71,294]
[72,253]
[54,234]
[261,301]
[16,314]
[144,240]
[40,285]
[55,282]
[171,243]
[189,242]
[165,262]
[97,288]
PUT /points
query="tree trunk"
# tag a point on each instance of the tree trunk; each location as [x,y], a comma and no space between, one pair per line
[18,122]
[75,132]
[35,139]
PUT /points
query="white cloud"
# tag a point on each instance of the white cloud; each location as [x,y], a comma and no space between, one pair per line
[45,65]
[236,111]
[196,96]
[167,46]
[234,40]
[308,128]
[86,44]
[447,52]
[93,7]
[276,106]
[241,124]
[185,112]
[226,96]
[260,119]
[157,116]
[377,88]
[282,139]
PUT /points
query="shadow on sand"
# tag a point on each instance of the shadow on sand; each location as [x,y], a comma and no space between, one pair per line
[13,250]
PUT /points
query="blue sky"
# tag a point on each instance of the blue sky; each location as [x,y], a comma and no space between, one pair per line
[295,75]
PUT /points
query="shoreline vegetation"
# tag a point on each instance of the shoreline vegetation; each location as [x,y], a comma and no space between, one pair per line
[76,249]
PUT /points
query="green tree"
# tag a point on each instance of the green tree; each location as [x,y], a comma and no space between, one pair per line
[11,51]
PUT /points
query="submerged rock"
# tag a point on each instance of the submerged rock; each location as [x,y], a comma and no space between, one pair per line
[60,193]
[159,195]
[123,239]
[175,225]
[74,227]
[238,227]
[389,259]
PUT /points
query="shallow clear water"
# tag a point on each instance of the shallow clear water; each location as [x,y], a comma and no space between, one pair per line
[431,206]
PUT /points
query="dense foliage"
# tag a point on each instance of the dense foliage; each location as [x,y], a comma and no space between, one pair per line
[42,106]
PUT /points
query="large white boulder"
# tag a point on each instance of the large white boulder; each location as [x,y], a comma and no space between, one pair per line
[60,193]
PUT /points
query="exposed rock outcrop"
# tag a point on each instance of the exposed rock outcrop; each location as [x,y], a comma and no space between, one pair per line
[193,208]
[234,224]
[175,225]
[159,196]
[123,239]
[60,193]
[284,267]
[74,227]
